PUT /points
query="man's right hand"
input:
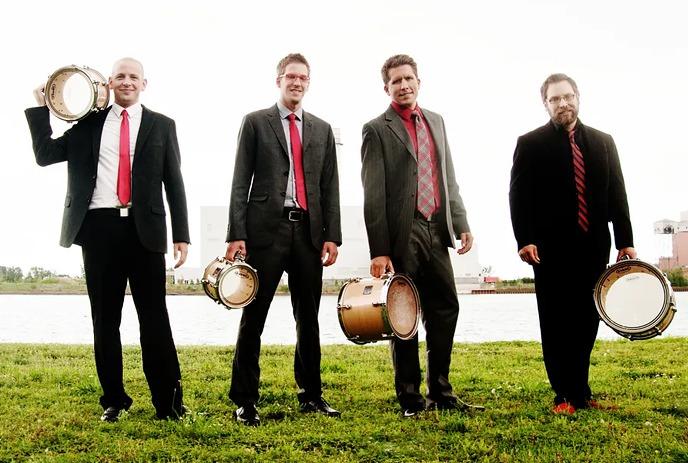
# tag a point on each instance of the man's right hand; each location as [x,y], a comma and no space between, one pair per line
[39,95]
[234,247]
[381,265]
[529,254]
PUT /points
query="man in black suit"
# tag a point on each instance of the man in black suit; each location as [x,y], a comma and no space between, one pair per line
[413,212]
[114,210]
[566,185]
[284,215]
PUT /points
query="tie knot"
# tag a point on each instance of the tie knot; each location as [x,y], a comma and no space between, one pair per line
[415,114]
[291,117]
[125,114]
[572,134]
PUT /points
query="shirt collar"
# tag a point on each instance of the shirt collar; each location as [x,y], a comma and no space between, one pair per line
[133,110]
[284,111]
[405,113]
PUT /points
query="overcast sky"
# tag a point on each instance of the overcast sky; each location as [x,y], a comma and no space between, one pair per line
[480,64]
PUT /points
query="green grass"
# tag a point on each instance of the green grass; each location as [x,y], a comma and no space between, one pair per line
[49,409]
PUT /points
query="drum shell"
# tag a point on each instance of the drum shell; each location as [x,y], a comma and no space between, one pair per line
[665,309]
[54,96]
[364,313]
[220,269]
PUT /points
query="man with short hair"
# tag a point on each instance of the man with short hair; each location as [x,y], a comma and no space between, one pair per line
[413,212]
[566,185]
[118,160]
[284,216]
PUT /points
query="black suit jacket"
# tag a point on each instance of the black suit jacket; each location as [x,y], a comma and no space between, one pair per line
[261,172]
[390,182]
[542,196]
[156,161]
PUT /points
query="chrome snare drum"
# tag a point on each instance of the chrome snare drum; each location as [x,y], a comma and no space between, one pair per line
[635,299]
[73,92]
[373,309]
[233,285]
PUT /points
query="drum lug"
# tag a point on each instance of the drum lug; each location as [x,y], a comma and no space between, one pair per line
[344,306]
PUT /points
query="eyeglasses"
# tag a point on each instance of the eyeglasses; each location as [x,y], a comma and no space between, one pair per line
[294,77]
[555,100]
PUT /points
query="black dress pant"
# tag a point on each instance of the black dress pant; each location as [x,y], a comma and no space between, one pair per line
[427,263]
[293,252]
[568,319]
[112,255]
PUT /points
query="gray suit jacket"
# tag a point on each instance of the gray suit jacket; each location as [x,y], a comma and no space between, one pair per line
[390,182]
[156,162]
[261,172]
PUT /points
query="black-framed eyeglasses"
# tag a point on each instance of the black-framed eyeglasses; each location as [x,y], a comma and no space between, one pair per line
[555,100]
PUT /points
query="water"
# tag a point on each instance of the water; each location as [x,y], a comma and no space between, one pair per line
[196,320]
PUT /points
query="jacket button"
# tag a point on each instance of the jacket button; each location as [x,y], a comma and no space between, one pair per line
[285,173]
[283,194]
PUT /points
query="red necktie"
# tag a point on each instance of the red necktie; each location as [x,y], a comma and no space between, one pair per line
[124,172]
[425,202]
[297,155]
[579,177]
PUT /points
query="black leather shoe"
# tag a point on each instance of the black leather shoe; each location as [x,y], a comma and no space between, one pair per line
[319,405]
[248,415]
[111,414]
[454,405]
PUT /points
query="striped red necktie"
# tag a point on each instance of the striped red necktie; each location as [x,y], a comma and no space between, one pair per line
[579,177]
[297,156]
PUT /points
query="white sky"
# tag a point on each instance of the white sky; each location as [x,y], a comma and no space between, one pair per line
[481,65]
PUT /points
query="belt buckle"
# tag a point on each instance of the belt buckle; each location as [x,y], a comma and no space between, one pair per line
[295,216]
[123,210]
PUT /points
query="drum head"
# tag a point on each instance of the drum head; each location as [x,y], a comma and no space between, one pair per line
[632,296]
[237,286]
[403,307]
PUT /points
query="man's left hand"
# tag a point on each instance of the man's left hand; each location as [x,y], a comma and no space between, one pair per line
[181,249]
[328,255]
[466,242]
[630,252]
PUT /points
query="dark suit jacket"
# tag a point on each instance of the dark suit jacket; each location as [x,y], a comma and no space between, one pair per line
[390,181]
[261,172]
[156,161]
[543,195]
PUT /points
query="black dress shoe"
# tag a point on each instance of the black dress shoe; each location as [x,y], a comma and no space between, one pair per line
[111,414]
[248,415]
[318,405]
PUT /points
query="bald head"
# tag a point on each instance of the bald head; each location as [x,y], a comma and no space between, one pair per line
[129,61]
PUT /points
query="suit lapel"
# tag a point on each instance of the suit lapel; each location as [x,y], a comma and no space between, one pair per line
[435,126]
[395,124]
[276,123]
[144,130]
[307,127]
[97,133]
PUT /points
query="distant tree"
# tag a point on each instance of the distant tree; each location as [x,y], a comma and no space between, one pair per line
[39,273]
[676,277]
[11,274]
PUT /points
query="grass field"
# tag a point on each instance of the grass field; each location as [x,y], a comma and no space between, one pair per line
[49,409]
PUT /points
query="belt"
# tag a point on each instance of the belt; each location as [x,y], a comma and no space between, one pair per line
[111,211]
[294,214]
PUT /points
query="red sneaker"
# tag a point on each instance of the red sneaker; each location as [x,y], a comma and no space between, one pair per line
[564,408]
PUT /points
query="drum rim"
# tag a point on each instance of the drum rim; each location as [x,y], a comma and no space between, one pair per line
[383,294]
[252,296]
[629,331]
[94,93]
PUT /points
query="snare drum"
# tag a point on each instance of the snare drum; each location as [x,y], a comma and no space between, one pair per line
[635,299]
[233,285]
[73,92]
[373,309]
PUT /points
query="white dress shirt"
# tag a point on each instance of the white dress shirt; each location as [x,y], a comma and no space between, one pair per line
[105,193]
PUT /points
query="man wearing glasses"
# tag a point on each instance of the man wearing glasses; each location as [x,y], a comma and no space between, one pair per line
[566,185]
[284,216]
[413,213]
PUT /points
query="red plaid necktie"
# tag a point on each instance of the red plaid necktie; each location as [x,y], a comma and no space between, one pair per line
[124,171]
[297,155]
[579,177]
[426,196]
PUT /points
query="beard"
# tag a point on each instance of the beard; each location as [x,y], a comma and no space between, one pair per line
[566,116]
